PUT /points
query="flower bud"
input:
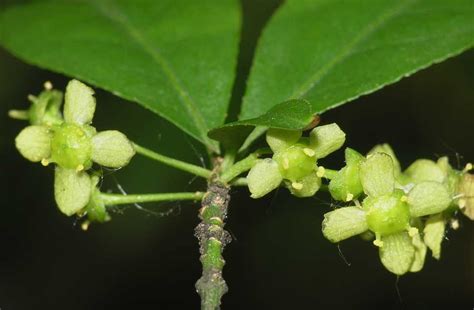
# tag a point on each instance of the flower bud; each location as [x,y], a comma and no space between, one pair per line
[79,107]
[34,143]
[346,184]
[95,209]
[72,190]
[428,198]
[71,147]
[305,187]
[397,253]
[344,223]
[111,148]
[326,139]
[279,139]
[425,170]
[387,214]
[295,162]
[434,233]
[263,178]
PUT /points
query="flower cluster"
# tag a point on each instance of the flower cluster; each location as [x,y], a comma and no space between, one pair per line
[70,141]
[403,212]
[294,162]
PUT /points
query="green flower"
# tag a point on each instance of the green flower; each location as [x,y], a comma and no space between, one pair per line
[73,145]
[388,212]
[294,161]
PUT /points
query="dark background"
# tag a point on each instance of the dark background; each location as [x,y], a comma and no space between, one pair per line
[278,259]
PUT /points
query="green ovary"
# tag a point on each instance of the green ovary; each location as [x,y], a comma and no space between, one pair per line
[295,162]
[387,214]
[71,147]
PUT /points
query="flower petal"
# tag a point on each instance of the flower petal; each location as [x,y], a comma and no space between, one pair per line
[72,190]
[307,186]
[279,139]
[34,143]
[434,234]
[112,148]
[420,253]
[397,253]
[344,223]
[377,175]
[326,139]
[428,198]
[79,106]
[264,177]
[423,170]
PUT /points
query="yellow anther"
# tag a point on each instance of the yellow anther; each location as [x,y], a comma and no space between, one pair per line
[85,225]
[404,198]
[454,224]
[31,98]
[462,203]
[309,152]
[468,167]
[44,162]
[79,168]
[297,186]
[412,231]
[48,85]
[320,172]
[349,197]
[286,164]
[378,242]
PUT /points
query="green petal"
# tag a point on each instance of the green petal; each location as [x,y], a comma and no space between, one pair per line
[466,188]
[95,209]
[111,148]
[387,149]
[72,190]
[397,253]
[425,170]
[428,198]
[344,223]
[34,143]
[420,253]
[279,139]
[307,186]
[264,177]
[79,107]
[377,175]
[326,139]
[434,234]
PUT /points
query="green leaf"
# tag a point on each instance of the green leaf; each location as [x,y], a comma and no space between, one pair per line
[291,115]
[174,57]
[333,51]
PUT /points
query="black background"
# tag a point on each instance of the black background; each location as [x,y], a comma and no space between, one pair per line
[278,260]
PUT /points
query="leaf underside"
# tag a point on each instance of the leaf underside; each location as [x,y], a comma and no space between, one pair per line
[174,57]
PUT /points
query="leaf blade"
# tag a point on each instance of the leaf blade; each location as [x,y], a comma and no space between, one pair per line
[166,55]
[331,52]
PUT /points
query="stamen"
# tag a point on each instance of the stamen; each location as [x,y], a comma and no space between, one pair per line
[404,198]
[85,225]
[462,203]
[378,242]
[412,231]
[349,197]
[309,152]
[45,162]
[468,167]
[48,85]
[454,224]
[320,172]
[79,168]
[297,186]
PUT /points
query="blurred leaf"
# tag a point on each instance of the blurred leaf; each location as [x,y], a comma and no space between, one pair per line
[174,57]
[330,52]
[293,114]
